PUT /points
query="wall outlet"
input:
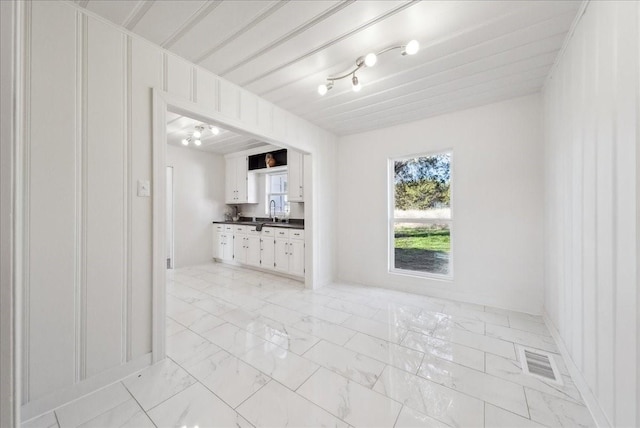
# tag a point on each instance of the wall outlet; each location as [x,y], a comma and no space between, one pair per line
[144,188]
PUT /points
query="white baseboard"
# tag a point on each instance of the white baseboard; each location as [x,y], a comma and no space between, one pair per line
[57,399]
[589,398]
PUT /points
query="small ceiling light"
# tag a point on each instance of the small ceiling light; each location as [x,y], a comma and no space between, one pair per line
[411,48]
[214,130]
[185,142]
[371,59]
[197,133]
[197,142]
[323,89]
[356,86]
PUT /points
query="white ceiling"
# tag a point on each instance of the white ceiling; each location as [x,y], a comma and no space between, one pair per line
[472,52]
[180,127]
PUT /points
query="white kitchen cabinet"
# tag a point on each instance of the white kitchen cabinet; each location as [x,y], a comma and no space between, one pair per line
[240,244]
[240,186]
[282,250]
[267,248]
[253,247]
[281,259]
[295,180]
[296,252]
[222,242]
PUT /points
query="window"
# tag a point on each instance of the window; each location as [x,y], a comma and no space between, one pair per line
[420,215]
[277,192]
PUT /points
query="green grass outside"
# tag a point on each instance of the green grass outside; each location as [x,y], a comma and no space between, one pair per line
[423,238]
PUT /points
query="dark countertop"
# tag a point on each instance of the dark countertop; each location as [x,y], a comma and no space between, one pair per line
[292,224]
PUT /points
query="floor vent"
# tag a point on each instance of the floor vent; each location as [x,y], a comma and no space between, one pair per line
[539,364]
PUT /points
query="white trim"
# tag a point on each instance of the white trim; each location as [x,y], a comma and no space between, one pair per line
[56,399]
[158,298]
[588,396]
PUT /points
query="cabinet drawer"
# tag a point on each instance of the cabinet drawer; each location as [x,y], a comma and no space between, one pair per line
[228,228]
[282,233]
[240,229]
[296,234]
[251,230]
[218,227]
[269,231]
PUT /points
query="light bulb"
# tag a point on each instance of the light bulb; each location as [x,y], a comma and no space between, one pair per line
[197,142]
[214,130]
[197,133]
[322,89]
[356,84]
[185,142]
[370,60]
[412,47]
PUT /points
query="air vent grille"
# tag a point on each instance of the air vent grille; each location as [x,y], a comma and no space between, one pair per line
[539,364]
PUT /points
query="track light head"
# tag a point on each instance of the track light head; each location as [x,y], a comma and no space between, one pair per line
[214,130]
[356,86]
[197,142]
[323,89]
[371,59]
[185,142]
[411,48]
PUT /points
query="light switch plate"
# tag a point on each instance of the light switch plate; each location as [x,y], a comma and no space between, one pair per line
[144,188]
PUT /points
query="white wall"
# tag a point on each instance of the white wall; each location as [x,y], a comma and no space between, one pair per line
[198,192]
[497,203]
[87,236]
[591,150]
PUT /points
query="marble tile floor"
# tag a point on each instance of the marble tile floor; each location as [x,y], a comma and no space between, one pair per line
[250,349]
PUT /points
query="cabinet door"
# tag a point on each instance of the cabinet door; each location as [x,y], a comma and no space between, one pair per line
[296,257]
[226,249]
[267,252]
[281,259]
[253,250]
[230,181]
[295,179]
[240,248]
[241,179]
[218,246]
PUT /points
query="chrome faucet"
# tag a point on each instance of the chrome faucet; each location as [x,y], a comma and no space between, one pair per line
[272,214]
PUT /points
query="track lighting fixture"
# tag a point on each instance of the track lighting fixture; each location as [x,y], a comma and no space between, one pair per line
[368,60]
[197,133]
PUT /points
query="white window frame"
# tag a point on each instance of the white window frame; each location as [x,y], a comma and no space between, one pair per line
[268,193]
[392,220]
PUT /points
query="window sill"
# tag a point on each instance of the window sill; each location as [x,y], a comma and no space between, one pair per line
[424,275]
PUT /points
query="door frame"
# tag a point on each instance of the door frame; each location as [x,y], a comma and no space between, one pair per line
[161,103]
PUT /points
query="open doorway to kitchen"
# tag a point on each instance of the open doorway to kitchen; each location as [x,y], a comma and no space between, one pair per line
[214,185]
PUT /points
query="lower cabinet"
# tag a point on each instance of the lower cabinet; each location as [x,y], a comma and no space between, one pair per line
[274,248]
[222,242]
[267,248]
[253,249]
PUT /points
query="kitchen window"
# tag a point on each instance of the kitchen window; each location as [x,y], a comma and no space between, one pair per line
[277,192]
[420,221]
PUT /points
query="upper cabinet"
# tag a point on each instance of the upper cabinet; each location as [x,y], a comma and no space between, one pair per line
[295,162]
[240,187]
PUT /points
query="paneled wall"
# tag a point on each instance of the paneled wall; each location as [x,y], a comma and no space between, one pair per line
[591,158]
[87,261]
